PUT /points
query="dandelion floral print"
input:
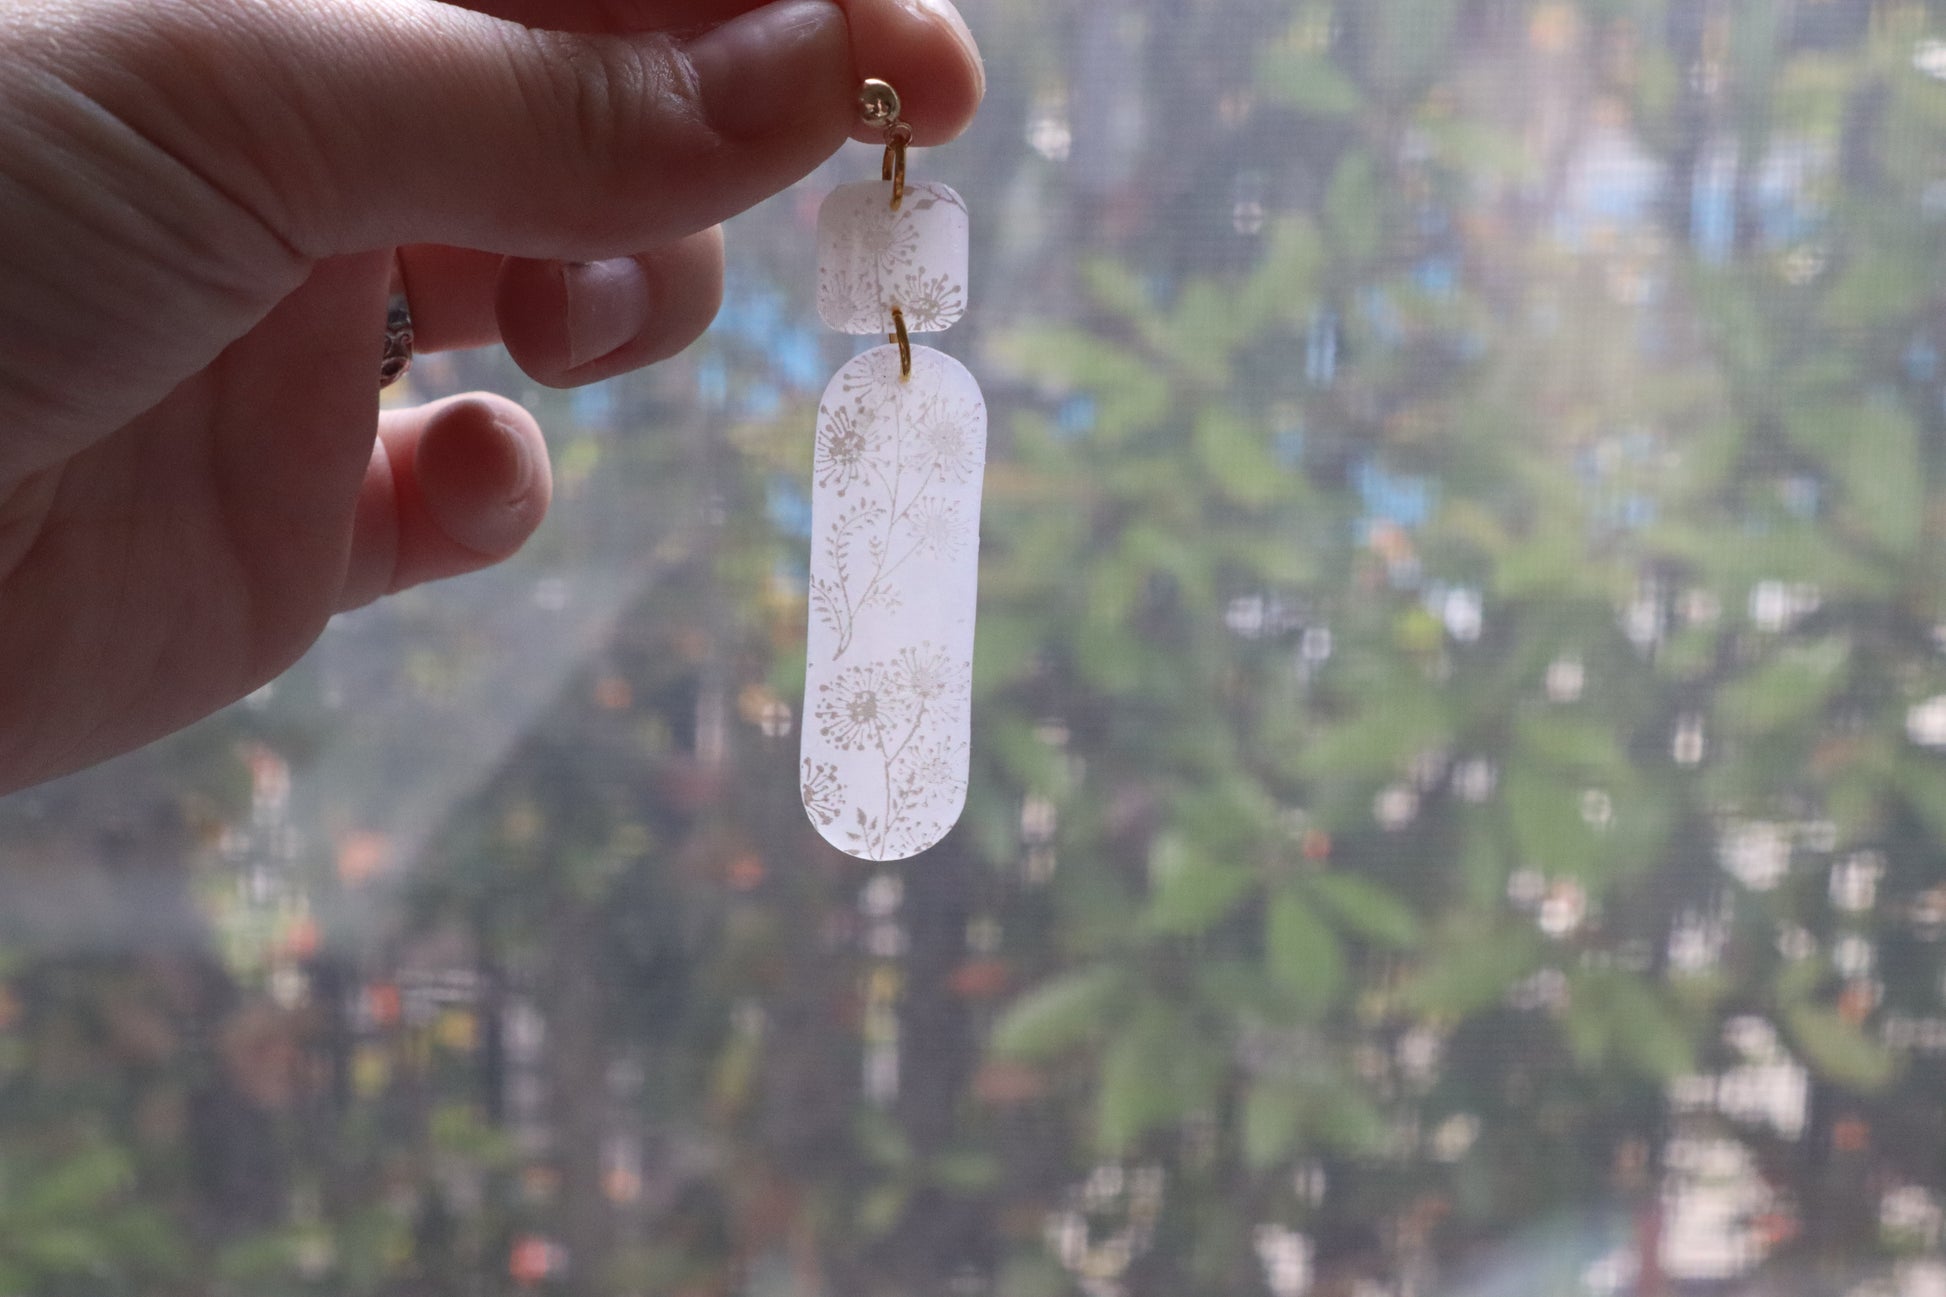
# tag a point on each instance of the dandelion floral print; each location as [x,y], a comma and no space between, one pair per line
[901,458]
[874,258]
[903,722]
[894,564]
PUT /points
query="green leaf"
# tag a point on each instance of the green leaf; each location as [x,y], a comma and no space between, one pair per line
[1349,1121]
[1483,864]
[1557,739]
[1059,1014]
[1303,954]
[1114,286]
[1132,391]
[1618,1019]
[1407,39]
[1352,211]
[1109,658]
[1921,785]
[1368,909]
[1228,811]
[260,1259]
[1474,968]
[1548,829]
[1009,646]
[1586,1027]
[1872,449]
[1837,1050]
[1491,153]
[1549,563]
[1135,1094]
[60,1249]
[1404,716]
[1233,452]
[1230,985]
[1273,1112]
[1875,285]
[151,1235]
[77,1184]
[967,1172]
[1205,328]
[1033,1275]
[881,1210]
[1790,689]
[1189,892]
[1115,584]
[1307,82]
[460,1129]
[1284,286]
[1798,981]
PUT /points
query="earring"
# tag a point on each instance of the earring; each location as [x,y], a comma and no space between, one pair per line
[895,516]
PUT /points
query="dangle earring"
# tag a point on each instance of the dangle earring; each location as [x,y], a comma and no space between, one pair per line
[895,518]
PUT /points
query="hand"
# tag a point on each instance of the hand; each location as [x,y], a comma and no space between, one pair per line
[203,204]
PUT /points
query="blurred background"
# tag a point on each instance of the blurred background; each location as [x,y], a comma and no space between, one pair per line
[1459,794]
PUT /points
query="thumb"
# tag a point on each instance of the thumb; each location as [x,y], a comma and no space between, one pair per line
[352,124]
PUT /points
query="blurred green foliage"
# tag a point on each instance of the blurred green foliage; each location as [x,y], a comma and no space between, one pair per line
[1460,616]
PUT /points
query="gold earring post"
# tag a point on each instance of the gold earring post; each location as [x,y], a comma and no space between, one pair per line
[879,104]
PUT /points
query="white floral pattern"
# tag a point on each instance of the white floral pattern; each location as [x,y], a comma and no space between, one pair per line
[872,258]
[894,576]
[899,779]
[898,468]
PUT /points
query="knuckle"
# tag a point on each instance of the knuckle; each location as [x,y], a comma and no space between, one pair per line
[607,97]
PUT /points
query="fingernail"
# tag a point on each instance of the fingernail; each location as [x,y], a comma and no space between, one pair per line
[479,479]
[757,73]
[525,470]
[944,13]
[608,307]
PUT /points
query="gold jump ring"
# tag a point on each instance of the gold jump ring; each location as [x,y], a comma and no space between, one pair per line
[904,340]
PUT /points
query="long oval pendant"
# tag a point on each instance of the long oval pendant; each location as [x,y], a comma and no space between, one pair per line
[897,476]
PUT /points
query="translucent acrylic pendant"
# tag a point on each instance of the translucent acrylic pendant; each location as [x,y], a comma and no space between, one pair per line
[895,541]
[872,258]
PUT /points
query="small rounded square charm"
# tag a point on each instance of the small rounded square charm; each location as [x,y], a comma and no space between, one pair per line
[872,258]
[895,559]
